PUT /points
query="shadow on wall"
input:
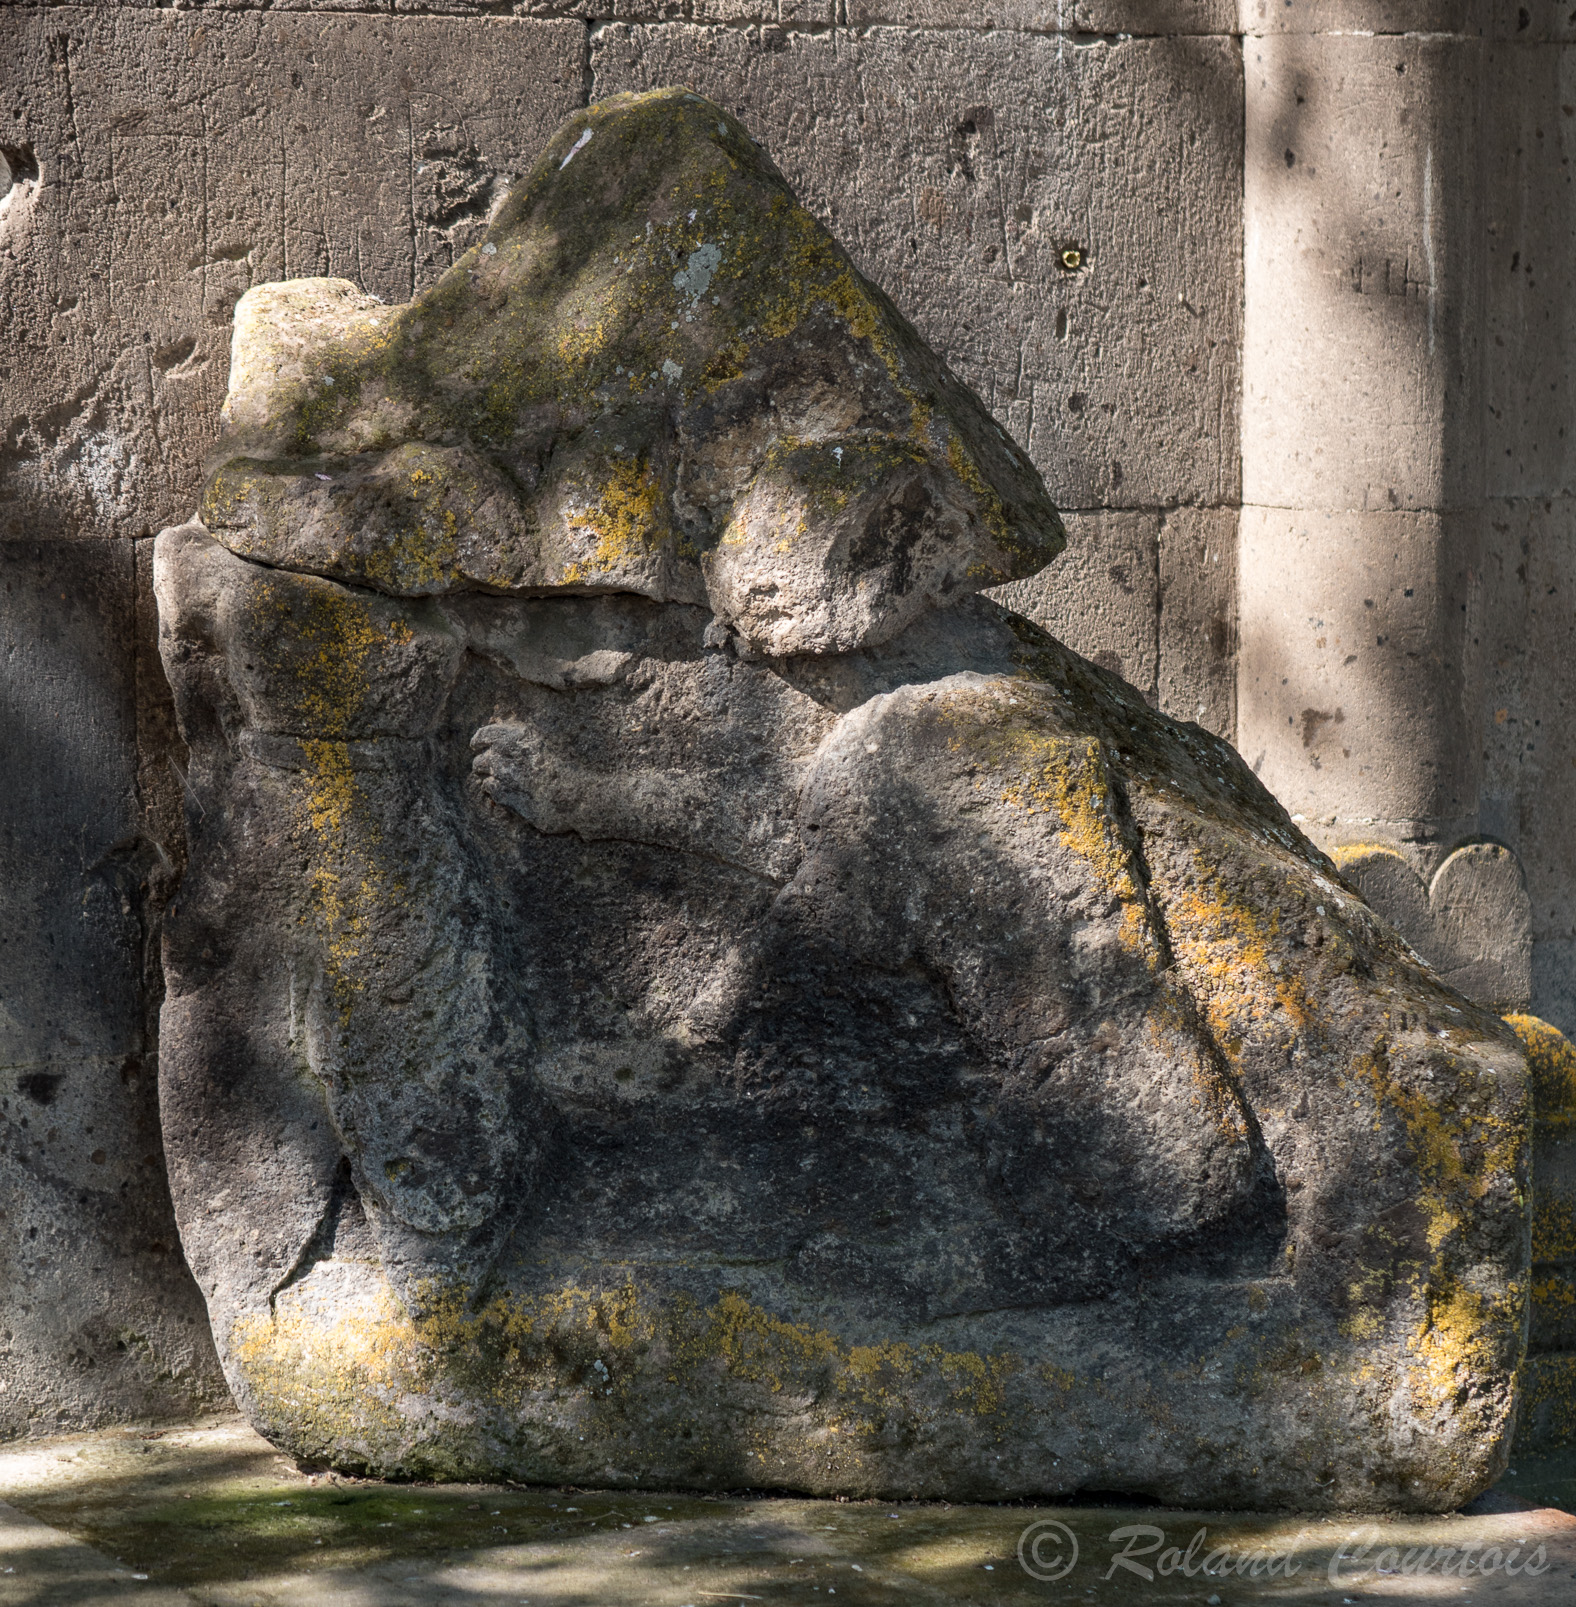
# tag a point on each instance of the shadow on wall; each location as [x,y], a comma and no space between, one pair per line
[81,1166]
[1528,711]
[1359,572]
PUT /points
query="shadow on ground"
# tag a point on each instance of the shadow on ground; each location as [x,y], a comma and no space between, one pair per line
[211,1514]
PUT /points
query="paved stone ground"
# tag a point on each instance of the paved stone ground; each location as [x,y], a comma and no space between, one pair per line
[210,1514]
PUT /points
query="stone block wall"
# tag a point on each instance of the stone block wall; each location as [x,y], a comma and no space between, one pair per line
[1273,293]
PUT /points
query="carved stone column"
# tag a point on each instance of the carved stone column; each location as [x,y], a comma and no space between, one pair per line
[1360,559]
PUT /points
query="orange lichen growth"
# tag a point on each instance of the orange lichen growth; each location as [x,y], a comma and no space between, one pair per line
[1553,1227]
[1171,1029]
[1068,779]
[1547,1419]
[1553,1297]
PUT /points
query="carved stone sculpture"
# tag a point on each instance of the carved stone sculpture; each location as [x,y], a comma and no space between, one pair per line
[675,987]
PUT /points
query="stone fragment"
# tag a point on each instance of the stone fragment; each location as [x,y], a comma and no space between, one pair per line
[655,355]
[673,987]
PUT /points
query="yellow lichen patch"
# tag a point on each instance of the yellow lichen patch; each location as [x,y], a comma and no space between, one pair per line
[810,272]
[1457,1341]
[1067,779]
[1553,1227]
[1442,1135]
[337,636]
[420,558]
[332,793]
[1354,853]
[754,1345]
[992,510]
[977,1380]
[339,648]
[1547,1417]
[1227,949]
[879,1374]
[349,1375]
[1551,1065]
[345,881]
[628,519]
[1553,1299]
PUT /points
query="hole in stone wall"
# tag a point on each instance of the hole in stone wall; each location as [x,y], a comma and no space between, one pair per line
[167,357]
[40,1086]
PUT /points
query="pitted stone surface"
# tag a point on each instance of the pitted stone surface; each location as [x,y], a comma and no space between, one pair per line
[672,988]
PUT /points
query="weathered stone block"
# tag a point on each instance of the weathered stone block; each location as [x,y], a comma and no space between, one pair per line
[673,988]
[1198,617]
[1526,22]
[1528,724]
[1052,16]
[1361,334]
[1548,1411]
[1353,669]
[1373,17]
[1118,374]
[1102,598]
[1471,921]
[101,1318]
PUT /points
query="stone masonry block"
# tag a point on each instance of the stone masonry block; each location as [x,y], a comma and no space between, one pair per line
[1529,278]
[1352,668]
[1052,16]
[1467,17]
[184,156]
[1101,597]
[1361,350]
[1554,978]
[1198,617]
[1153,597]
[1531,21]
[1471,920]
[101,1319]
[1114,366]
